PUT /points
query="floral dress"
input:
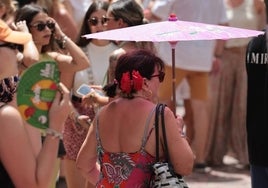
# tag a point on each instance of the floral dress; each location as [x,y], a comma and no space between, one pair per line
[125,169]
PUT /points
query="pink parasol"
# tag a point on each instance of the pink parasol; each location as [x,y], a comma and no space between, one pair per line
[166,31]
[173,31]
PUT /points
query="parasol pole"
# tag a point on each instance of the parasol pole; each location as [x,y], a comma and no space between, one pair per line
[173,17]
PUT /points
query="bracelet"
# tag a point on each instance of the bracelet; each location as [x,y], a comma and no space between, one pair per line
[74,116]
[62,42]
[54,134]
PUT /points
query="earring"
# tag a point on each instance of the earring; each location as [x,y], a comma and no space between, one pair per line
[148,94]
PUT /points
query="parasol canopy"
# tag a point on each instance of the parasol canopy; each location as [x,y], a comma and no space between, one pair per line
[173,31]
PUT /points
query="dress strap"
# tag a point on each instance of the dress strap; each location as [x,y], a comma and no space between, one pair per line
[97,129]
[145,135]
[100,150]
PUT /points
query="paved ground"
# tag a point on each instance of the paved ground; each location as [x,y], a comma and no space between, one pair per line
[215,179]
[228,176]
[219,179]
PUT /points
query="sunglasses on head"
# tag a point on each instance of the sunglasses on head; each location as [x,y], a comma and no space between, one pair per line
[42,26]
[95,20]
[161,76]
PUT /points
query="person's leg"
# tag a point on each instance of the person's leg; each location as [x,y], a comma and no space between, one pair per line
[259,176]
[198,82]
[220,103]
[200,117]
[238,137]
[183,94]
[215,130]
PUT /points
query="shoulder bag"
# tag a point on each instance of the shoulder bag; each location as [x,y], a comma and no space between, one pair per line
[164,174]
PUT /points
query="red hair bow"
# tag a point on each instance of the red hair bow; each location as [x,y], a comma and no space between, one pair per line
[125,83]
[128,84]
[137,80]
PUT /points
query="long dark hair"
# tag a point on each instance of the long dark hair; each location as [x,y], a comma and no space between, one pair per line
[27,13]
[85,29]
[128,10]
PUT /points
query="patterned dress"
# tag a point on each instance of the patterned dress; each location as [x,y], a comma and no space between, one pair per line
[74,134]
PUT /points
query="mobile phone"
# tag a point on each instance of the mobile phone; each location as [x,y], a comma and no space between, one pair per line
[84,89]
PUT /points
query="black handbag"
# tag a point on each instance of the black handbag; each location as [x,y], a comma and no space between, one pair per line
[164,174]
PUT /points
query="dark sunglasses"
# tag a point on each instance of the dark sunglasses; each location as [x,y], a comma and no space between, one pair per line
[42,26]
[95,21]
[161,76]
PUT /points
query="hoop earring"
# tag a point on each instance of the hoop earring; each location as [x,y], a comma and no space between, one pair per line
[148,94]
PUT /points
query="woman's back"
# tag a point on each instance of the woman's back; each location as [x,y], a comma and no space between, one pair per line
[122,122]
[127,162]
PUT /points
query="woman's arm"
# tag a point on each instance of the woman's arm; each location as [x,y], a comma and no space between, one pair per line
[87,157]
[77,58]
[181,155]
[30,54]
[16,152]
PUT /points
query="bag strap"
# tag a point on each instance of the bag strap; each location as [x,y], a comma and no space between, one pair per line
[162,113]
[166,152]
[159,112]
[156,125]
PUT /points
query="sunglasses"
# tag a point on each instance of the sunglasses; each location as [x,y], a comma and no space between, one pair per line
[95,21]
[161,76]
[42,26]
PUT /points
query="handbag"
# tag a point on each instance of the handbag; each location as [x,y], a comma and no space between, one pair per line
[164,174]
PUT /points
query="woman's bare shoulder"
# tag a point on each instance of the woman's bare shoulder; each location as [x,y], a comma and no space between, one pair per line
[9,116]
[116,53]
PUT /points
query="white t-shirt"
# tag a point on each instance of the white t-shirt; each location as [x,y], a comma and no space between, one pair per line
[191,55]
[99,61]
[243,16]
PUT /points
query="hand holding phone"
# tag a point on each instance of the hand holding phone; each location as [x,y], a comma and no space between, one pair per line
[84,89]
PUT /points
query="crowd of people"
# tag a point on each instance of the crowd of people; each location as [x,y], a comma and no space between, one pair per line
[106,137]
